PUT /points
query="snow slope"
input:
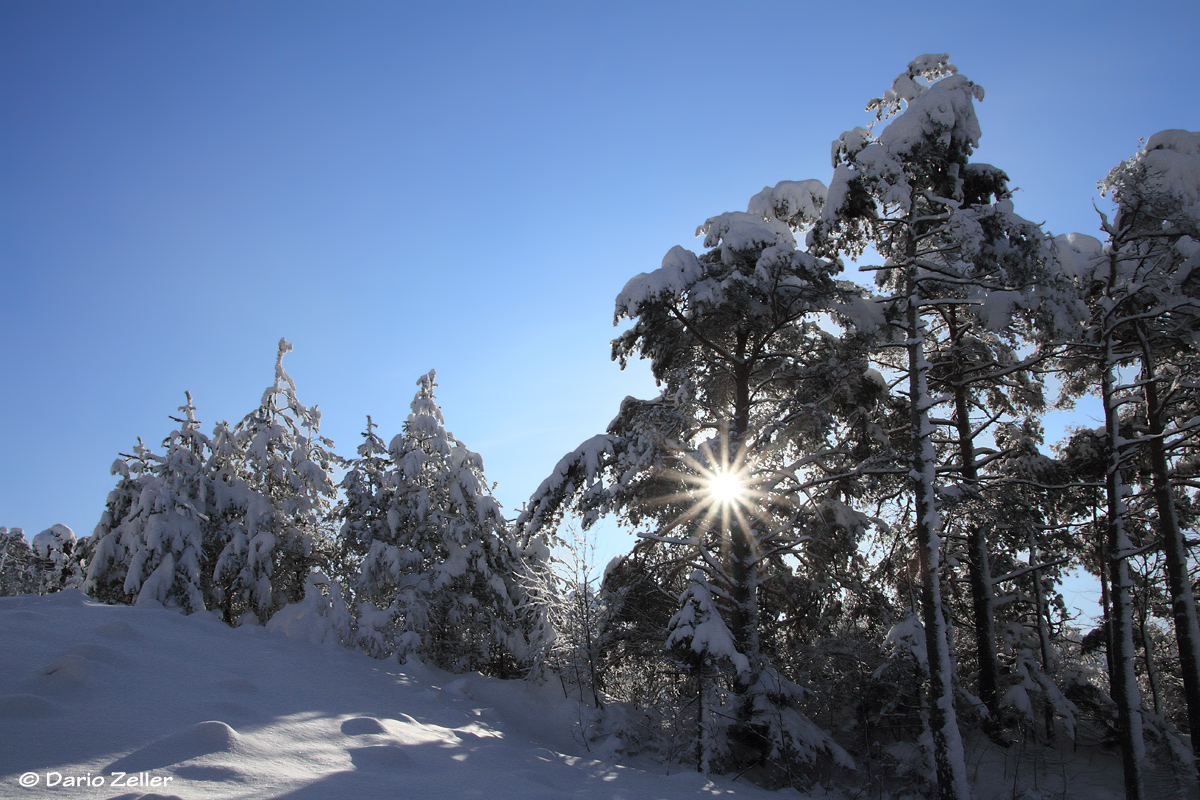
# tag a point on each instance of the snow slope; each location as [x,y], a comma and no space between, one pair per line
[190,708]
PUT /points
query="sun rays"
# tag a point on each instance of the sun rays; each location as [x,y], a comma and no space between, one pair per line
[717,491]
[726,487]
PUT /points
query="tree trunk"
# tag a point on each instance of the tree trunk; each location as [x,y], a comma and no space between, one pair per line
[1123,679]
[948,754]
[743,566]
[978,568]
[1043,627]
[1183,602]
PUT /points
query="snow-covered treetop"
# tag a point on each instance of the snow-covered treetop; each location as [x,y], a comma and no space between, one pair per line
[281,376]
[1160,186]
[1079,255]
[425,411]
[930,67]
[753,263]
[798,204]
[54,539]
[889,166]
[285,386]
[428,457]
[372,445]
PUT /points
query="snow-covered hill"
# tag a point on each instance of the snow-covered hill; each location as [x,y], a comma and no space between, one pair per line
[187,707]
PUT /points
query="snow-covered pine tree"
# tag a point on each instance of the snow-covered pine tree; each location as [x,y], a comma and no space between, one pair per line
[362,510]
[911,193]
[441,585]
[17,575]
[167,564]
[1156,237]
[753,385]
[113,539]
[227,522]
[52,556]
[698,637]
[285,462]
[1034,510]
[1143,289]
[154,536]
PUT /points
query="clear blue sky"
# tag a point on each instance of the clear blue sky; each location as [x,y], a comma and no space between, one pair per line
[398,187]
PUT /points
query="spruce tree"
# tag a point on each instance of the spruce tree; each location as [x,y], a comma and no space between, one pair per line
[285,463]
[440,583]
[17,573]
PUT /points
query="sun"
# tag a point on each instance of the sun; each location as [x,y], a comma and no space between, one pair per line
[726,488]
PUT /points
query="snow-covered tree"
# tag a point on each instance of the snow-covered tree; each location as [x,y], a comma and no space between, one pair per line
[17,573]
[112,551]
[750,380]
[948,236]
[1143,289]
[225,523]
[699,638]
[52,555]
[286,464]
[156,540]
[1155,237]
[441,582]
[362,510]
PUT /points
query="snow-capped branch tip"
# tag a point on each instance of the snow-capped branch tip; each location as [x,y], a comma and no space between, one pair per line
[189,409]
[930,67]
[795,203]
[284,347]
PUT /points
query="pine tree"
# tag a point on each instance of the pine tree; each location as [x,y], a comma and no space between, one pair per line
[441,582]
[750,380]
[1144,298]
[285,462]
[155,538]
[939,222]
[114,541]
[362,510]
[17,574]
[167,565]
[699,638]
[1156,234]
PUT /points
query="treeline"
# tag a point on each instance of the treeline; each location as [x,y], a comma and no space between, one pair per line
[853,537]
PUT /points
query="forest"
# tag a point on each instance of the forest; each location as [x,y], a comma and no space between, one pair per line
[852,535]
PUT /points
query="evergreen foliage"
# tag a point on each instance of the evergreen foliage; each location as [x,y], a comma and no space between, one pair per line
[441,582]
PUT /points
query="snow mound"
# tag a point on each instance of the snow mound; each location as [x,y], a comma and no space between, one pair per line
[380,756]
[25,705]
[117,630]
[200,739]
[67,670]
[213,773]
[362,726]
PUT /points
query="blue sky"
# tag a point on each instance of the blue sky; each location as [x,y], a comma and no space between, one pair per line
[466,187]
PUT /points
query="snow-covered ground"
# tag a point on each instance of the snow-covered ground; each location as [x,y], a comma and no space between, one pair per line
[187,707]
[104,702]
